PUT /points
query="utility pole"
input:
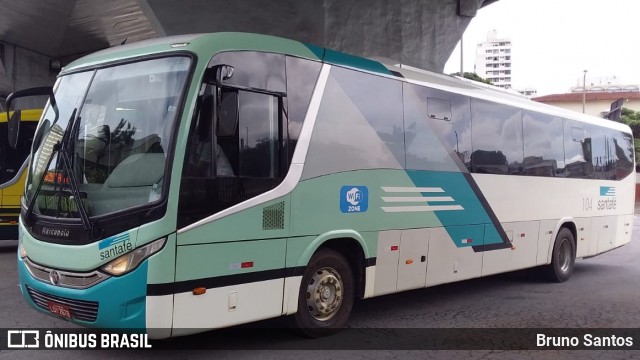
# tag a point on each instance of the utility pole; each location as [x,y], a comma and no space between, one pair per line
[584,90]
[461,58]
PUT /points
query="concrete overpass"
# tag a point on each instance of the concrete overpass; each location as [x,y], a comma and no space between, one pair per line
[35,34]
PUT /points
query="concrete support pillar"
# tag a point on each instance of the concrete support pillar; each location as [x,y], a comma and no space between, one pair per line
[24,69]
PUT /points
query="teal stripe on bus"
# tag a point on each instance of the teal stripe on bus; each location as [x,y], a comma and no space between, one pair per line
[339,58]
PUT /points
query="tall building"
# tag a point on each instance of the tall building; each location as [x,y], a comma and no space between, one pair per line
[493,60]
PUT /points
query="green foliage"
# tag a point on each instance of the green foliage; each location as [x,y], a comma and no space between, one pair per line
[631,118]
[472,76]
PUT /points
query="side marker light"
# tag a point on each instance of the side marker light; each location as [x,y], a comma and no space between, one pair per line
[199,291]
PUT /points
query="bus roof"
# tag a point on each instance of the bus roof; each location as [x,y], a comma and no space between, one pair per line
[209,44]
[200,44]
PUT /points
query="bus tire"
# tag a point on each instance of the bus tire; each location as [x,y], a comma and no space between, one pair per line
[563,258]
[326,295]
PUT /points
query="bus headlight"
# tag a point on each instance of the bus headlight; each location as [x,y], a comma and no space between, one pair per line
[131,260]
[21,251]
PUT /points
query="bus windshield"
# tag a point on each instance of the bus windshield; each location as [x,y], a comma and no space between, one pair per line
[114,127]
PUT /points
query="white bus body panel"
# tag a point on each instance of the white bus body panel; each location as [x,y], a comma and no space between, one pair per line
[522,254]
[387,262]
[412,264]
[227,306]
[448,263]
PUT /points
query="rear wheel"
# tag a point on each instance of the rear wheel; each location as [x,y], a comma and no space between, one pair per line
[563,258]
[326,294]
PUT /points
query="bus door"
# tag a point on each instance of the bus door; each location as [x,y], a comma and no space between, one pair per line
[234,156]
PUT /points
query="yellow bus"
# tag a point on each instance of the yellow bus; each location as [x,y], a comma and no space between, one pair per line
[13,166]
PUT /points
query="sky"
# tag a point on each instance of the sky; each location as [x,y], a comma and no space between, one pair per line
[554,41]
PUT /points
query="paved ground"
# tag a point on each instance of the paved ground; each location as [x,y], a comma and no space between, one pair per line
[602,293]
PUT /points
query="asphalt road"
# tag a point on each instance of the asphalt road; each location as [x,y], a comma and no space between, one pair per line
[604,292]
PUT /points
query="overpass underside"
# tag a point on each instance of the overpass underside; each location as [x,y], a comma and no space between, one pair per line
[420,33]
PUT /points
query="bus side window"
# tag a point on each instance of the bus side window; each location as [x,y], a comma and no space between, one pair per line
[577,150]
[205,155]
[498,146]
[259,135]
[543,145]
[226,130]
[199,162]
[234,158]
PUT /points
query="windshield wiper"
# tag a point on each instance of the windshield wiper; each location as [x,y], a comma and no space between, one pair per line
[62,149]
[66,163]
[54,150]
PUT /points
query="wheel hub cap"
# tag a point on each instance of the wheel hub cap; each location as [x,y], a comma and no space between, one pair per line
[324,293]
[564,256]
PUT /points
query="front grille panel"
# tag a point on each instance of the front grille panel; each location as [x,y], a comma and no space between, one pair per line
[80,309]
[66,278]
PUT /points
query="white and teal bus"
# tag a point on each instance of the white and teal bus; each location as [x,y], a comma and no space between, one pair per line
[198,182]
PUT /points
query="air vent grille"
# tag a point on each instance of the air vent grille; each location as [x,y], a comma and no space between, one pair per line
[273,217]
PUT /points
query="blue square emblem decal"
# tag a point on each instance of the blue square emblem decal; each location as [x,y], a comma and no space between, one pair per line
[607,191]
[354,199]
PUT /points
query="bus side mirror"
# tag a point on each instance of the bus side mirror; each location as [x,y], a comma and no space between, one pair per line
[13,129]
[223,73]
[14,120]
[218,74]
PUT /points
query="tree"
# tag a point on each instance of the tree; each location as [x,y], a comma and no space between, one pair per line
[472,76]
[632,118]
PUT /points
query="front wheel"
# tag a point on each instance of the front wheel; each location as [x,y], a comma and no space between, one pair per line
[326,294]
[563,258]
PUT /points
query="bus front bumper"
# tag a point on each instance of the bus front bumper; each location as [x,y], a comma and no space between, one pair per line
[117,302]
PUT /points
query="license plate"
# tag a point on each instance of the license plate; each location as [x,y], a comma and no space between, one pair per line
[59,309]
